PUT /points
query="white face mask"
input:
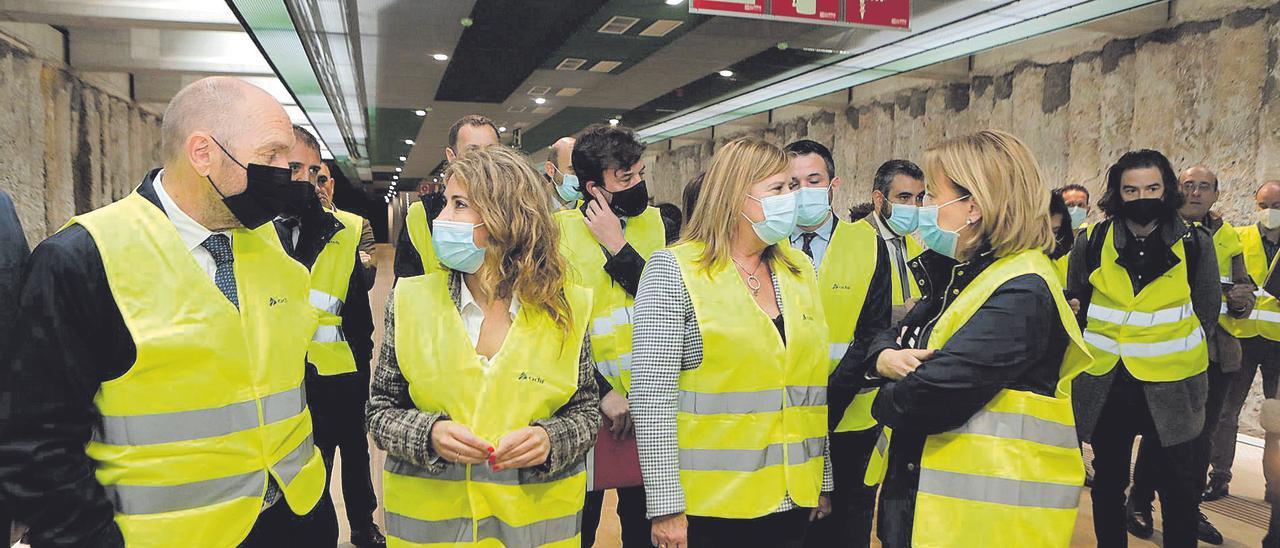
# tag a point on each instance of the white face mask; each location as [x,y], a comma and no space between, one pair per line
[1269,218]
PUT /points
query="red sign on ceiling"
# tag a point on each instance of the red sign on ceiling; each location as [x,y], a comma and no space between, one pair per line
[892,14]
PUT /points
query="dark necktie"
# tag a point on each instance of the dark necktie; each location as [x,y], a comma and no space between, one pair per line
[808,242]
[219,245]
[290,225]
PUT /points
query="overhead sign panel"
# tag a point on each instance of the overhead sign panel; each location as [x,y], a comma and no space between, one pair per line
[891,14]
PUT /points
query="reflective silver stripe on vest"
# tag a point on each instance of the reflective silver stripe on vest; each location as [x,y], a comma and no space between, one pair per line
[750,460]
[155,499]
[882,443]
[867,390]
[1223,311]
[197,424]
[292,463]
[1144,350]
[1010,492]
[838,350]
[479,474]
[444,531]
[1020,427]
[1266,316]
[1225,279]
[329,334]
[537,533]
[1141,319]
[615,368]
[604,325]
[741,403]
[326,302]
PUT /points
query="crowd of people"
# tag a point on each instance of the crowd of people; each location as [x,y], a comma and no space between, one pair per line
[745,369]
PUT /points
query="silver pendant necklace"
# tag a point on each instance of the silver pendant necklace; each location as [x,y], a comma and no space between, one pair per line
[753,283]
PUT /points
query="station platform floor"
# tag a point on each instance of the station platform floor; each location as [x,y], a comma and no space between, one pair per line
[1242,517]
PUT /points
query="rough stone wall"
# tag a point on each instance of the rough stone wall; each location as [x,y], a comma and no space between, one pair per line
[66,146]
[1204,89]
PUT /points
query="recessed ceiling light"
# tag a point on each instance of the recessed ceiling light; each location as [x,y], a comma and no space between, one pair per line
[502,129]
[403,158]
[539,100]
[419,113]
[613,121]
[726,73]
[674,2]
[399,169]
[440,57]
[395,177]
[408,142]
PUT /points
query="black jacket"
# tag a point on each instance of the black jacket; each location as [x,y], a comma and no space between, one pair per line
[1015,341]
[13,258]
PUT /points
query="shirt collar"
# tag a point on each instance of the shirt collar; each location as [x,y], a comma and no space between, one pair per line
[467,300]
[192,233]
[823,231]
[885,232]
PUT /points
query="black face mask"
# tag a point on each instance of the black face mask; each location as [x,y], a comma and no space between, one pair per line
[1144,210]
[265,194]
[1064,238]
[299,199]
[630,202]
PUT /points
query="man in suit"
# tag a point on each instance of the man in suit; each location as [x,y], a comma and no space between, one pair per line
[13,257]
[853,267]
[160,350]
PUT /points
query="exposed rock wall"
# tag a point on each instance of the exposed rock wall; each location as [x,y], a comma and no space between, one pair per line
[66,146]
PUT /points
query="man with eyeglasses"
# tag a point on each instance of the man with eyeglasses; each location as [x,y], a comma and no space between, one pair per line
[1200,186]
[326,240]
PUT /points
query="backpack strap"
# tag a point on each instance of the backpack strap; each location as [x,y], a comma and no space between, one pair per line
[1097,238]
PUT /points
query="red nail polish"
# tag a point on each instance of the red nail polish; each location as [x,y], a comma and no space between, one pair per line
[490,449]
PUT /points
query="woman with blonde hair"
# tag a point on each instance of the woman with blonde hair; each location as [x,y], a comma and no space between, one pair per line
[975,400]
[484,397]
[729,400]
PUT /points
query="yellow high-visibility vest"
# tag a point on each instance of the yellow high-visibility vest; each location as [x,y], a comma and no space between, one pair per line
[1156,332]
[533,375]
[844,277]
[614,308]
[1012,474]
[752,417]
[213,402]
[1265,320]
[330,278]
[1226,243]
[420,236]
[1060,268]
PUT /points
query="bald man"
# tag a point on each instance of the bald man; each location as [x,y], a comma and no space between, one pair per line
[559,171]
[155,395]
[1259,334]
[1200,187]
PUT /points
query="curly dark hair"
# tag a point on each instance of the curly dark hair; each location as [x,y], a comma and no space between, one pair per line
[1111,200]
[604,147]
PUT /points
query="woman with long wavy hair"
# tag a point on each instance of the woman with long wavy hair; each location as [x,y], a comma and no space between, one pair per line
[484,397]
[729,399]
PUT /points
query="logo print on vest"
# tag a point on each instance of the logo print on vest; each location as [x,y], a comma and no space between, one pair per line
[525,376]
[277,300]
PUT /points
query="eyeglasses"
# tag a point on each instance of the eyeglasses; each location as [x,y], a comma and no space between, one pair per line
[1192,187]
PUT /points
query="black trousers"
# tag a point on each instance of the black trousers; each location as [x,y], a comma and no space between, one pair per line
[337,417]
[780,530]
[1178,479]
[1258,354]
[276,527]
[1144,471]
[852,503]
[631,508]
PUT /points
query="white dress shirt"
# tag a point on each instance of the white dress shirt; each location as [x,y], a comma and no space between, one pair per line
[190,231]
[819,244]
[473,315]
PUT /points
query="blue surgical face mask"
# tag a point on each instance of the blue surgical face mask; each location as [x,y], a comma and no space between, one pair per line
[903,219]
[813,203]
[779,217]
[935,237]
[568,187]
[1077,214]
[455,245]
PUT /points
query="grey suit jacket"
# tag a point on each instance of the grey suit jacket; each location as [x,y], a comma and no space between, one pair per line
[1177,407]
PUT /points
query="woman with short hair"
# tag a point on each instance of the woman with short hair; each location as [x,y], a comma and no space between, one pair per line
[729,399]
[484,397]
[976,378]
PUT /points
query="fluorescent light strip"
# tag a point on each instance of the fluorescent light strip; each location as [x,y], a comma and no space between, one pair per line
[1004,25]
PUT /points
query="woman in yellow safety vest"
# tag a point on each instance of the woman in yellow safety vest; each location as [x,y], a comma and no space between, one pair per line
[977,377]
[729,400]
[484,397]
